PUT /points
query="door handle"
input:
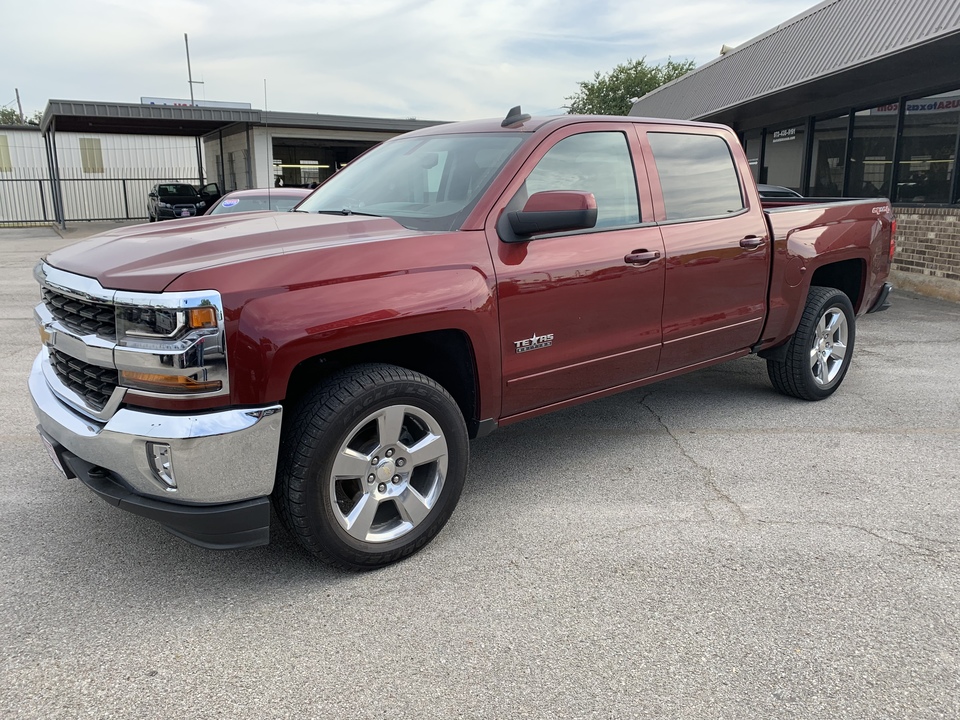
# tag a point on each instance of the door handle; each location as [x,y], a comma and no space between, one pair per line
[641,257]
[751,241]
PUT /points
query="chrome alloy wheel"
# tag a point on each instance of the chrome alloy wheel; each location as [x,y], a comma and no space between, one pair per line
[829,346]
[388,473]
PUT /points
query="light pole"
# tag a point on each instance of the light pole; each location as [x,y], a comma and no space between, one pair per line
[190,81]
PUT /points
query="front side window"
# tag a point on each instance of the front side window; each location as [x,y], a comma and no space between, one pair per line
[424,183]
[598,163]
[697,175]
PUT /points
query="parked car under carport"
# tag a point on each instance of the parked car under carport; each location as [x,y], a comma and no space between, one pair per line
[177,199]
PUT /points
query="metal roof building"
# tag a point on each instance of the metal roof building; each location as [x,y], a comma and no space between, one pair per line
[852,97]
[93,160]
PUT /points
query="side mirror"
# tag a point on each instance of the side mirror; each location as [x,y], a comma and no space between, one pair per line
[554,211]
[153,194]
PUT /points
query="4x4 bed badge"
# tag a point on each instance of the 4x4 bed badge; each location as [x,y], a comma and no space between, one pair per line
[535,343]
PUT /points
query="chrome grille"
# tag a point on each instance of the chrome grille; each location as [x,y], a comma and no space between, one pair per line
[93,382]
[84,317]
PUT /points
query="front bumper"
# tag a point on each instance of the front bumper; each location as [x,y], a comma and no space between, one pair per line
[179,212]
[224,464]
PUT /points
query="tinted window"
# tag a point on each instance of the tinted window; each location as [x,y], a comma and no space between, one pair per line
[697,175]
[597,162]
[927,150]
[783,155]
[176,190]
[871,152]
[829,157]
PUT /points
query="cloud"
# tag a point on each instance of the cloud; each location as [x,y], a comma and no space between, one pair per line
[437,59]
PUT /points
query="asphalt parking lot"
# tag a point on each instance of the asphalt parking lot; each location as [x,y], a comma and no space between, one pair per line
[701,548]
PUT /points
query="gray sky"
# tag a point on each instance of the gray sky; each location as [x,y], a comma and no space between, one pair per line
[430,59]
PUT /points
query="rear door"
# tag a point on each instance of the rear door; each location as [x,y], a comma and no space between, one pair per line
[716,244]
[577,315]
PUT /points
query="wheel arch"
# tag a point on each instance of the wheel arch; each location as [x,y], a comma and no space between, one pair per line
[847,276]
[446,356]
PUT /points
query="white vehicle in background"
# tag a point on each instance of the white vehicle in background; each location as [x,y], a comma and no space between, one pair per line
[259,200]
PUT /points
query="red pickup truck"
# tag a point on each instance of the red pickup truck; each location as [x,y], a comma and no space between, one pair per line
[335,360]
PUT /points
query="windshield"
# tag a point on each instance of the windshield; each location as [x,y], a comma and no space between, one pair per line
[256,203]
[424,183]
[177,190]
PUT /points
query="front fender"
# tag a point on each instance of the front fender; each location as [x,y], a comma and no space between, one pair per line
[277,332]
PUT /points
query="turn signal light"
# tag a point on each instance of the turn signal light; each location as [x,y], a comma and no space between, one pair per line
[893,238]
[155,382]
[202,317]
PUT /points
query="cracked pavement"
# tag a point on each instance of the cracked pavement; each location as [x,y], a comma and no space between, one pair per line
[698,548]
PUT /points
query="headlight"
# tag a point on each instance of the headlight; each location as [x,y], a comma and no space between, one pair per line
[164,205]
[170,324]
[171,342]
[201,204]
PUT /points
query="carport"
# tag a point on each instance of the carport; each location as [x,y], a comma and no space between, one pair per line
[247,147]
[129,119]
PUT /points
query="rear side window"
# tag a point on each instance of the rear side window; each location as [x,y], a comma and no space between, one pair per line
[697,175]
[596,162]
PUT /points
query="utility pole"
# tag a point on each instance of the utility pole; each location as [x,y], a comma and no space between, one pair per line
[190,81]
[19,106]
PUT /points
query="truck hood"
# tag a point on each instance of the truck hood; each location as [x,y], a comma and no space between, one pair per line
[147,258]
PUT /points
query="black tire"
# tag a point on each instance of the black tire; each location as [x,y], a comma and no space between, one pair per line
[152,218]
[819,353]
[348,424]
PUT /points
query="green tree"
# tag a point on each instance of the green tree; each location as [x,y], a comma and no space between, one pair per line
[612,94]
[10,116]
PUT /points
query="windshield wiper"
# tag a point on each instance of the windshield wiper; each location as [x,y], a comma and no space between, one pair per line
[344,211]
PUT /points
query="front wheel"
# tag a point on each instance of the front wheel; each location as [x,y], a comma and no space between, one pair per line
[372,466]
[819,353]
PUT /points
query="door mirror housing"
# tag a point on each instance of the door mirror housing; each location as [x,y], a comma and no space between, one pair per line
[554,211]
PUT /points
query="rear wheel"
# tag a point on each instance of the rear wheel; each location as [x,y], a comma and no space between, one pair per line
[819,353]
[372,466]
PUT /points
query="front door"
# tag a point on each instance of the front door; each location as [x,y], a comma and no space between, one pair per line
[578,312]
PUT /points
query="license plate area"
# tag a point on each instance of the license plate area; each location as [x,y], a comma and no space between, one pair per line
[54,453]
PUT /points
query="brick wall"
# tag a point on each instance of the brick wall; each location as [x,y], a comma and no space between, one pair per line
[928,250]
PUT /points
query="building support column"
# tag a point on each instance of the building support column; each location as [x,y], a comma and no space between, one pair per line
[53,170]
[897,143]
[196,140]
[845,190]
[221,173]
[249,159]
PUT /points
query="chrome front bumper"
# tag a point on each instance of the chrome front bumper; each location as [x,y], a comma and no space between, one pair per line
[219,457]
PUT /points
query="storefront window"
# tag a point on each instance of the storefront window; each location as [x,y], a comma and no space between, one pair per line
[751,146]
[928,148]
[828,161]
[871,154]
[783,155]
